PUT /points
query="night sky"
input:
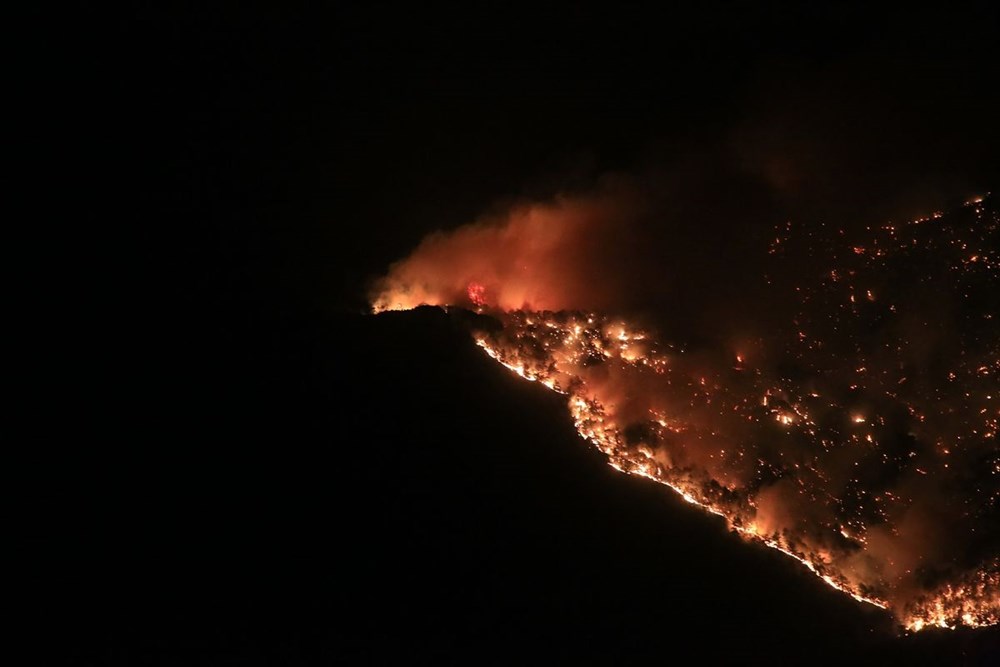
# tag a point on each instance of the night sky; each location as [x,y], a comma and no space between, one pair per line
[251,469]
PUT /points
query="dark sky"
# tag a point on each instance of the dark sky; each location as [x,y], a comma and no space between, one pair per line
[266,460]
[338,138]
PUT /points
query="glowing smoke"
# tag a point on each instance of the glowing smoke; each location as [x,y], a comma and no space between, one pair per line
[542,256]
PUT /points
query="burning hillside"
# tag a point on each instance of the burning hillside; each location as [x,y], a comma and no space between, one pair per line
[859,437]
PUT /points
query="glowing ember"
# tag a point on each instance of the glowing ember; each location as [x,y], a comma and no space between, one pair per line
[859,448]
[477,294]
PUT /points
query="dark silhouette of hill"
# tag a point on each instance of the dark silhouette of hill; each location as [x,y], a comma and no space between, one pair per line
[375,489]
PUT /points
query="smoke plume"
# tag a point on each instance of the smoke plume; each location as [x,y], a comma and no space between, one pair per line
[541,256]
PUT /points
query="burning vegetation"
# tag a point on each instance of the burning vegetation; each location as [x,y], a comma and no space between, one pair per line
[860,438]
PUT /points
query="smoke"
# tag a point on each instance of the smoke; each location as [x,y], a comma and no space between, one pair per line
[633,245]
[835,396]
[555,255]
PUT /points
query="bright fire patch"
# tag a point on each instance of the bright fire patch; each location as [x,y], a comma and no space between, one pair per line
[477,294]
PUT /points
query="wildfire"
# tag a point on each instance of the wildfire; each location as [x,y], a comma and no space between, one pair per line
[548,354]
[833,462]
